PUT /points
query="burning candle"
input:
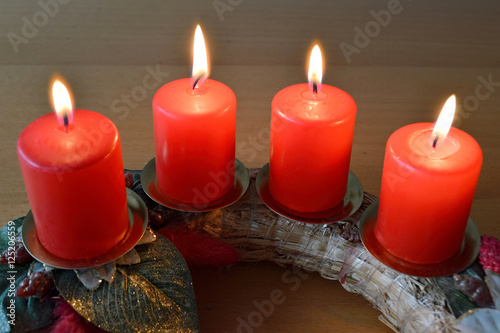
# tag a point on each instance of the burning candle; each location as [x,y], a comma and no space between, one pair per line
[73,172]
[312,129]
[428,185]
[194,127]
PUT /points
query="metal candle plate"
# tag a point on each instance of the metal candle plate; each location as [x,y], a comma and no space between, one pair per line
[150,186]
[352,201]
[138,214]
[460,261]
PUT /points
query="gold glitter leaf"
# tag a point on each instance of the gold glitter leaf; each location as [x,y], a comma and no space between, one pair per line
[155,295]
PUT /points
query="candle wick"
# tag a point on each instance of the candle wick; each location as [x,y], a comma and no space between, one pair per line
[434,143]
[315,88]
[196,82]
[66,120]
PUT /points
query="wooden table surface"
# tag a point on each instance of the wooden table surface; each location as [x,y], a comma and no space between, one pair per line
[400,60]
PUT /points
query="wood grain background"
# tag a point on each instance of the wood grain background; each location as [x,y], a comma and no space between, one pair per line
[401,72]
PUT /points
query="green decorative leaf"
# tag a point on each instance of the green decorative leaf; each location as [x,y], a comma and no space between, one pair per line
[155,295]
[21,314]
[459,303]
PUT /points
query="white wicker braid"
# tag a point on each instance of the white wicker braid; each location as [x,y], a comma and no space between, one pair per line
[407,303]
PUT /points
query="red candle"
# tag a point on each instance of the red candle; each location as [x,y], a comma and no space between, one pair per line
[194,127]
[73,172]
[312,129]
[428,185]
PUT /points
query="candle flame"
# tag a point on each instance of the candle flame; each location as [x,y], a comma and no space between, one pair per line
[200,59]
[62,103]
[443,124]
[315,73]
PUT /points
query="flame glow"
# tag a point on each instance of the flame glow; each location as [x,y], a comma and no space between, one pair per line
[443,124]
[315,74]
[62,104]
[200,61]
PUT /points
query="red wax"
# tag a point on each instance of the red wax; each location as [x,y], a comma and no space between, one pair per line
[311,140]
[194,140]
[75,184]
[426,194]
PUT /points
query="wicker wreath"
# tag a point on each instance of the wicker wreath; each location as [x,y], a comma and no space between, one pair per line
[334,250]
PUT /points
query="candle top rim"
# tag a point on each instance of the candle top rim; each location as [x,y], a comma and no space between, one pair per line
[335,107]
[46,145]
[469,154]
[174,98]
